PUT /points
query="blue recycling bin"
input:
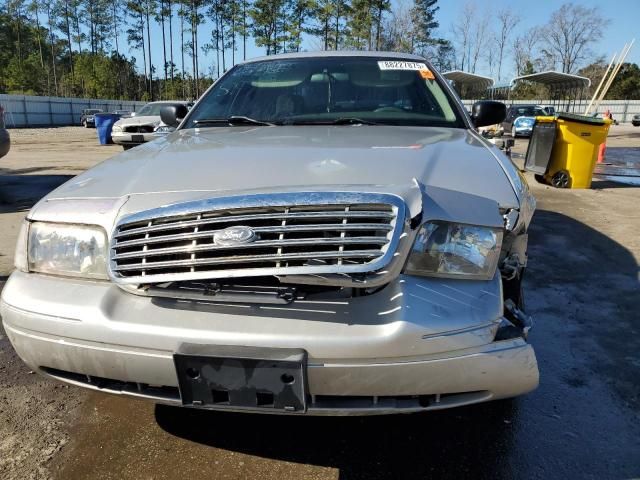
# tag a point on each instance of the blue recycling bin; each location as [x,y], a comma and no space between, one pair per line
[104,124]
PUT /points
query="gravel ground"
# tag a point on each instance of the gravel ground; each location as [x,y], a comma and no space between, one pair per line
[583,421]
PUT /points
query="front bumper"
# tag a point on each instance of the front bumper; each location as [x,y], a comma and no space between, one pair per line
[125,138]
[524,132]
[416,345]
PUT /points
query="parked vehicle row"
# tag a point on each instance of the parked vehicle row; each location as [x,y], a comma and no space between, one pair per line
[520,119]
[143,126]
[88,117]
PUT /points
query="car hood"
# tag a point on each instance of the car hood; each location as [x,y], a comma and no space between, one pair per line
[214,162]
[144,120]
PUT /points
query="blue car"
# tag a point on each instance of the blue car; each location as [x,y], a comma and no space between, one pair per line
[516,121]
[522,127]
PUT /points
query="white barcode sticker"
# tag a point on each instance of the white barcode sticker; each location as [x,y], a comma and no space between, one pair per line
[401,65]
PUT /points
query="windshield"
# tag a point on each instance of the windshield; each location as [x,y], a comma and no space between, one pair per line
[151,110]
[529,112]
[327,90]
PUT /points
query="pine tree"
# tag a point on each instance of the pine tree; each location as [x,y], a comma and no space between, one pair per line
[265,16]
[424,23]
[135,34]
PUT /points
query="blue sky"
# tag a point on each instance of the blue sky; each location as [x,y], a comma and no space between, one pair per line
[623,14]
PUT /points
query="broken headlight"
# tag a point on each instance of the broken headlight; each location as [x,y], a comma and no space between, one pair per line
[65,249]
[455,250]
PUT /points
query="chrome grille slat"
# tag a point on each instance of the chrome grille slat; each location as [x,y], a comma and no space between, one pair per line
[210,247]
[276,229]
[244,218]
[248,259]
[306,233]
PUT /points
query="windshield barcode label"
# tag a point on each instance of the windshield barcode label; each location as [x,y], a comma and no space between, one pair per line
[401,65]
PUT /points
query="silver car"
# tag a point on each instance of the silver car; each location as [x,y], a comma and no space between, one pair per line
[324,233]
[137,129]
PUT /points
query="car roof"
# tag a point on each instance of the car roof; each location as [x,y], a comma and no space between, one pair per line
[340,53]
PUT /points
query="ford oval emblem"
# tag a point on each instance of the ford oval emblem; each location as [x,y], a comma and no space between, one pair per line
[234,236]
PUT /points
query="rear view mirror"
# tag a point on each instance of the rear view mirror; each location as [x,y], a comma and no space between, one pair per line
[488,112]
[172,115]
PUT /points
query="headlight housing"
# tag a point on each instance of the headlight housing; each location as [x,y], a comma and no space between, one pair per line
[116,129]
[66,249]
[455,250]
[164,129]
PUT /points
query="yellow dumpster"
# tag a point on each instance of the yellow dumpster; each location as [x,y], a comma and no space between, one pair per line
[564,149]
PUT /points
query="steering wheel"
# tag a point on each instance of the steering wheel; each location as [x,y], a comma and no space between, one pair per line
[389,109]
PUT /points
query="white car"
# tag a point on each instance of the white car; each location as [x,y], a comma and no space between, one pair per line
[140,127]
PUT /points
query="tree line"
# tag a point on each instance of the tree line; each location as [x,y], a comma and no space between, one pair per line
[76,48]
[86,48]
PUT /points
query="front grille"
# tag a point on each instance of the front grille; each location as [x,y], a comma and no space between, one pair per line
[329,235]
[139,129]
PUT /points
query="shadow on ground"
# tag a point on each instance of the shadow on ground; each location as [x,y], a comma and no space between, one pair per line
[584,294]
[447,444]
[21,192]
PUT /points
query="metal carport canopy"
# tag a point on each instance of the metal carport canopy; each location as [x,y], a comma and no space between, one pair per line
[471,79]
[555,79]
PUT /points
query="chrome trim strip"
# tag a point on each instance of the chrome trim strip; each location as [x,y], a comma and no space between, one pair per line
[259,243]
[246,259]
[288,228]
[266,216]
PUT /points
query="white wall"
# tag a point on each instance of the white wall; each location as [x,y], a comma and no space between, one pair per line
[32,111]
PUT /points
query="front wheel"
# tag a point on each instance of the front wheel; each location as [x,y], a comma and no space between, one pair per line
[561,179]
[513,132]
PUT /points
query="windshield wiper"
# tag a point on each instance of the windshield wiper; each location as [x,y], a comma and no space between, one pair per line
[337,121]
[352,121]
[233,120]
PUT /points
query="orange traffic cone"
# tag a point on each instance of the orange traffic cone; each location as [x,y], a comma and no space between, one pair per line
[601,152]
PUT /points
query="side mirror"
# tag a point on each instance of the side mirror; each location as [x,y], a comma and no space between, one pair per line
[172,115]
[488,112]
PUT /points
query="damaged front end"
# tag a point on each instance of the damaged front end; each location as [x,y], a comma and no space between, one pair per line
[293,248]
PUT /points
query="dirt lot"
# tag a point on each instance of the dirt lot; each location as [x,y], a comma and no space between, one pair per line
[583,422]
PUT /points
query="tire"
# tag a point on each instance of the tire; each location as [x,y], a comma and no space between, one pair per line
[513,132]
[561,179]
[84,124]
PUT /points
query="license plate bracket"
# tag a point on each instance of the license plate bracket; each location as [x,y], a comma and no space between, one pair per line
[238,377]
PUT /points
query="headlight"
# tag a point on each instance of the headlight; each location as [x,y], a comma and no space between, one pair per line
[116,129]
[69,250]
[456,251]
[164,129]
